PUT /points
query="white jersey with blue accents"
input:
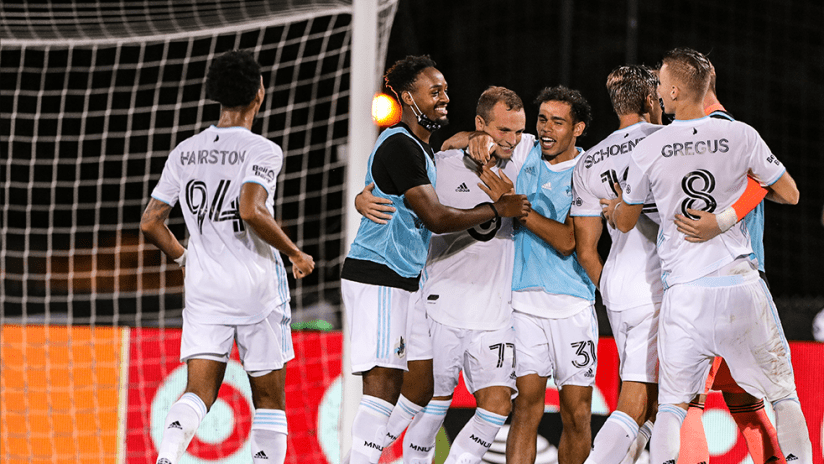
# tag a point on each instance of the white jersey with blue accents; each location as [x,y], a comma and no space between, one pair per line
[632,272]
[467,279]
[699,164]
[233,277]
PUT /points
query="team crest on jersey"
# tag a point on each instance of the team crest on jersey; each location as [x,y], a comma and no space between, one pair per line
[400,348]
[627,189]
[568,191]
[579,201]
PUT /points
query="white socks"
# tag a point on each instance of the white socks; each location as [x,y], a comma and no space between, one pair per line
[400,418]
[791,427]
[268,436]
[182,421]
[639,444]
[369,430]
[419,441]
[613,440]
[475,438]
[666,439]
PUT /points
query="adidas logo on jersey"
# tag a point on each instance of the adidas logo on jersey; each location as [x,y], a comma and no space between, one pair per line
[547,186]
[589,374]
[175,425]
[261,455]
[462,188]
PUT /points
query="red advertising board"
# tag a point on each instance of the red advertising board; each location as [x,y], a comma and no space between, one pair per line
[157,378]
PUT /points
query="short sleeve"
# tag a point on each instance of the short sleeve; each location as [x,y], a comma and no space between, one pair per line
[264,166]
[399,165]
[637,187]
[168,188]
[763,162]
[584,202]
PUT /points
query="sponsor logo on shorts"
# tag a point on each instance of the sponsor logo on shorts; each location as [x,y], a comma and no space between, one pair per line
[261,455]
[174,425]
[792,457]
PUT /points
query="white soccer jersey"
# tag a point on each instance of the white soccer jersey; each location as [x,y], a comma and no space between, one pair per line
[632,272]
[232,275]
[468,275]
[700,164]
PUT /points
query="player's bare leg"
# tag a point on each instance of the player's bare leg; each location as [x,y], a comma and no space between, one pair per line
[203,379]
[527,411]
[477,435]
[576,436]
[621,429]
[269,429]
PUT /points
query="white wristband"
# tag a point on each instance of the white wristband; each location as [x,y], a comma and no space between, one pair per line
[181,261]
[726,219]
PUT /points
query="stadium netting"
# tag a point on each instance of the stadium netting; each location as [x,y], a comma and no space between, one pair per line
[94,96]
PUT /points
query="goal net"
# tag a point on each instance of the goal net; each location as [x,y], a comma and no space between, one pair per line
[94,96]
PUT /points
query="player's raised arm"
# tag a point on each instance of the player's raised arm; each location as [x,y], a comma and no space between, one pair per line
[154,228]
[253,211]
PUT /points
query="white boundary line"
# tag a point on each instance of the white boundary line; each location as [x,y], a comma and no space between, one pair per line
[123,394]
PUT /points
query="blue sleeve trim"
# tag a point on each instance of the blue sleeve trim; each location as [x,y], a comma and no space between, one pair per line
[778,177]
[265,187]
[161,200]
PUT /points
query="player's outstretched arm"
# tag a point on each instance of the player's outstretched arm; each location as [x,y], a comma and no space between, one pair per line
[441,219]
[154,228]
[709,225]
[588,230]
[253,211]
[376,209]
[560,236]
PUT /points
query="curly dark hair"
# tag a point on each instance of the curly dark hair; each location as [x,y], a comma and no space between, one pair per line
[581,112]
[403,74]
[233,79]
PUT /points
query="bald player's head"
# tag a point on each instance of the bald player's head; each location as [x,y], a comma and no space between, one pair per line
[689,70]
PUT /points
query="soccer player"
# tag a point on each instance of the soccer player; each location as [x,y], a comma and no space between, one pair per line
[465,293]
[629,281]
[380,274]
[715,303]
[747,411]
[556,330]
[236,286]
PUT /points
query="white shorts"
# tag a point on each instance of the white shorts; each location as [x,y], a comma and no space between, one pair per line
[377,317]
[264,346]
[486,357]
[636,336]
[729,316]
[562,348]
[418,328]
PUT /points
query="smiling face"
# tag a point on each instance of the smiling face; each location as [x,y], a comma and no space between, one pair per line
[557,130]
[505,127]
[429,95]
